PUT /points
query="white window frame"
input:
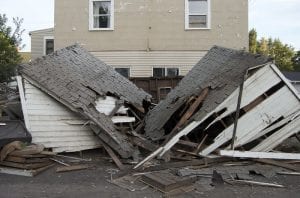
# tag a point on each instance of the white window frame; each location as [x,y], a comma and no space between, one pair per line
[91,16]
[123,67]
[187,16]
[166,70]
[44,43]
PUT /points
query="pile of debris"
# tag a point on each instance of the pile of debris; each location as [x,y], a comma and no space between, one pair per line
[231,103]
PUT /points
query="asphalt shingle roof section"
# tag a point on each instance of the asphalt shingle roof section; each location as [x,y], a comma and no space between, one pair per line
[221,69]
[292,76]
[76,78]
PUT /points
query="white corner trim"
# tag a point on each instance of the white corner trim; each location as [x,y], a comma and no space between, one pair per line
[186,16]
[44,43]
[23,102]
[91,17]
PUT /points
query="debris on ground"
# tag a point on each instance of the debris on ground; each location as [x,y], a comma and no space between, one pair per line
[227,123]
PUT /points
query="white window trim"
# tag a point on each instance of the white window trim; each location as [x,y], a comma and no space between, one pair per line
[91,16]
[44,43]
[124,67]
[186,17]
[177,67]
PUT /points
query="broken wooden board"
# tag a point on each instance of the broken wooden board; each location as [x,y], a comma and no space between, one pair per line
[166,182]
[279,136]
[25,166]
[277,163]
[114,157]
[26,160]
[20,172]
[260,155]
[72,168]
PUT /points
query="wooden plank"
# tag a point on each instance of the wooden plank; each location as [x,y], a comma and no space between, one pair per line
[122,119]
[23,102]
[279,136]
[277,163]
[190,111]
[263,155]
[166,182]
[72,168]
[26,160]
[26,173]
[257,119]
[144,144]
[113,156]
[25,166]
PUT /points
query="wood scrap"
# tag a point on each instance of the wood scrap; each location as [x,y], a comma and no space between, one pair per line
[114,157]
[72,168]
[29,150]
[263,155]
[277,163]
[25,166]
[289,173]
[166,182]
[26,173]
[256,183]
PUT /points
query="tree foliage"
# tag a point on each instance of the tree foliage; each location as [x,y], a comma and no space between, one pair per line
[283,54]
[10,41]
[296,61]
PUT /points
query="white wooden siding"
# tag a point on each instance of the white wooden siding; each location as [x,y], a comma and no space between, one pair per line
[142,62]
[54,125]
[37,42]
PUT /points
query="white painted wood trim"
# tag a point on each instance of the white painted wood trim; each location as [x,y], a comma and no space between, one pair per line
[279,136]
[91,17]
[122,119]
[44,43]
[260,155]
[23,102]
[286,81]
[186,16]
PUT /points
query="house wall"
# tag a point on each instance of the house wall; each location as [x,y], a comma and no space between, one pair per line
[151,33]
[37,41]
[54,125]
[152,25]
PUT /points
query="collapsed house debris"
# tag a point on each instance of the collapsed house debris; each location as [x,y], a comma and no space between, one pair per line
[231,111]
[92,90]
[229,100]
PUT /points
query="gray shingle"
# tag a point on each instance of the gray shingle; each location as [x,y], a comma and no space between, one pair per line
[221,70]
[75,77]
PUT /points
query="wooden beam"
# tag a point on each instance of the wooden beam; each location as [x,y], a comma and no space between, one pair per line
[277,163]
[72,168]
[263,155]
[114,157]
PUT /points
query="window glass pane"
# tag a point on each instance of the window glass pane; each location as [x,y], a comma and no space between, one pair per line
[197,21]
[198,7]
[102,22]
[123,71]
[172,72]
[158,72]
[101,7]
[49,46]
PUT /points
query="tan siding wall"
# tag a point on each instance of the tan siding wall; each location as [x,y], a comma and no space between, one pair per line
[55,126]
[37,42]
[141,63]
[152,24]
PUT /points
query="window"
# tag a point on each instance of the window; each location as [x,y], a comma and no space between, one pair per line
[163,92]
[197,14]
[159,72]
[101,15]
[48,45]
[123,71]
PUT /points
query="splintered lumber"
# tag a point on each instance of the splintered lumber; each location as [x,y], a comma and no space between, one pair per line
[72,168]
[145,144]
[191,110]
[113,156]
[257,183]
[263,155]
[289,173]
[166,182]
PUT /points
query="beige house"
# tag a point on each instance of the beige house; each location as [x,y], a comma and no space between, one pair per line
[42,42]
[144,38]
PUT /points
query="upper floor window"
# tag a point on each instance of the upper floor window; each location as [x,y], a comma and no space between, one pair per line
[159,72]
[123,71]
[101,15]
[48,45]
[197,14]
